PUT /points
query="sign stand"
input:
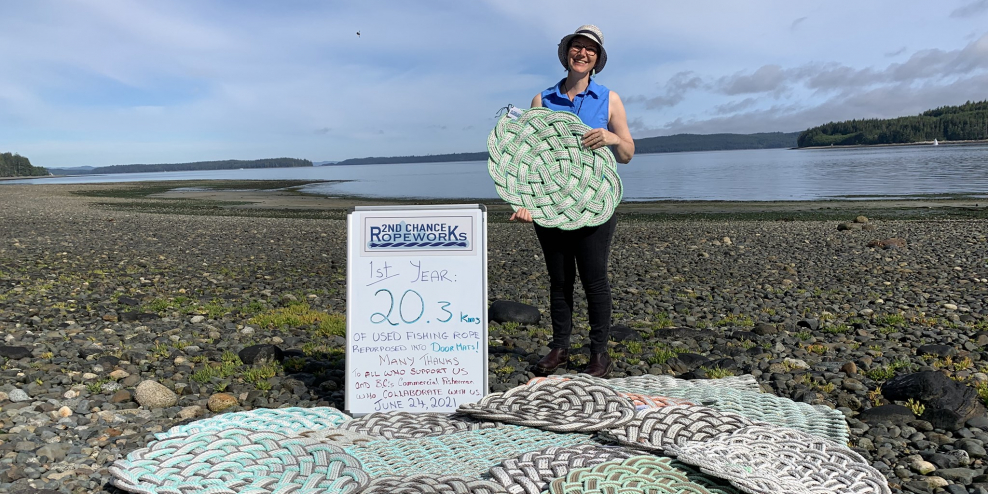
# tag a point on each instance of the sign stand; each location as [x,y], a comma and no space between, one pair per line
[416,325]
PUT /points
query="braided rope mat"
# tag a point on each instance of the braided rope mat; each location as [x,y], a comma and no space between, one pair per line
[238,461]
[405,425]
[531,472]
[762,459]
[656,385]
[538,162]
[659,429]
[636,474]
[432,484]
[556,405]
[280,420]
[469,453]
[764,407]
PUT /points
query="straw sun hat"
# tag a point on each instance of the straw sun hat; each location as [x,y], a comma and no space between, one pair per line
[590,32]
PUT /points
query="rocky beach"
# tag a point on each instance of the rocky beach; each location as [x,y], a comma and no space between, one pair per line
[126,310]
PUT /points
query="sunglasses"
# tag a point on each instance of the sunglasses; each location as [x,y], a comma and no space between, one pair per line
[577,47]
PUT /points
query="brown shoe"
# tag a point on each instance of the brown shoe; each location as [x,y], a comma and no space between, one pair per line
[557,357]
[600,365]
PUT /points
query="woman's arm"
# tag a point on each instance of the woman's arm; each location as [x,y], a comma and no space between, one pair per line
[537,101]
[618,136]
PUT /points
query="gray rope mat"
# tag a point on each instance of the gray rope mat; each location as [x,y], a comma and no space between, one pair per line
[531,472]
[324,451]
[431,484]
[658,429]
[556,405]
[763,459]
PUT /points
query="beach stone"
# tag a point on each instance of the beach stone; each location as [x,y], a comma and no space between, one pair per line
[849,226]
[963,476]
[796,363]
[151,394]
[924,386]
[108,361]
[765,329]
[895,414]
[190,412]
[260,354]
[64,412]
[937,350]
[972,447]
[811,324]
[621,332]
[918,464]
[54,452]
[121,396]
[888,243]
[507,311]
[219,402]
[849,368]
[14,352]
[861,219]
[18,395]
[119,374]
[197,319]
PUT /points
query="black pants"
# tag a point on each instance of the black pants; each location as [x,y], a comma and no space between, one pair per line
[588,250]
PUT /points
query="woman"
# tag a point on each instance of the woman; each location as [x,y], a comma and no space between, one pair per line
[587,249]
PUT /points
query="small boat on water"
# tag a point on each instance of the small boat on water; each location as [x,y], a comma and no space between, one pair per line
[935,143]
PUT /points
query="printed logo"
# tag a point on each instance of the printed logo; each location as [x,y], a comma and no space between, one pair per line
[444,233]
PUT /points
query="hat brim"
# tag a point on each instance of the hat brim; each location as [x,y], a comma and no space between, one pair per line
[564,48]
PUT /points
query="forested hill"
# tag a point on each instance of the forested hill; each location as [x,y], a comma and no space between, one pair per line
[663,144]
[15,165]
[948,123]
[177,167]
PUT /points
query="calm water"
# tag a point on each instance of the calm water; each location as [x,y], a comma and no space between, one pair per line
[749,175]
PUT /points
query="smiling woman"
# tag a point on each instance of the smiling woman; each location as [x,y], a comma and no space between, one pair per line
[587,249]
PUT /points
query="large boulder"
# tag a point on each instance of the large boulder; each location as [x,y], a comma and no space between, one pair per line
[949,404]
[261,354]
[152,394]
[507,311]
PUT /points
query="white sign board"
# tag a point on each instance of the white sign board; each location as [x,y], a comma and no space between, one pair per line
[416,308]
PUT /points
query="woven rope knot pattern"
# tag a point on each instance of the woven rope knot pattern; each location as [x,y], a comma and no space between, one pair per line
[405,425]
[763,459]
[469,453]
[432,484]
[556,405]
[636,474]
[659,429]
[281,420]
[238,461]
[538,162]
[531,472]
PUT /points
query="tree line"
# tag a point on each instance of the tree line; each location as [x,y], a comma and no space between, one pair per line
[198,165]
[662,144]
[966,122]
[15,165]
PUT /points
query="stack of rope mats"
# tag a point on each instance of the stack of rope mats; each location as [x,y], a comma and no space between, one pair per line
[562,434]
[538,162]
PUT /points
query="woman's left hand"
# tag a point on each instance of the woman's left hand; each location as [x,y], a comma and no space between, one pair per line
[598,138]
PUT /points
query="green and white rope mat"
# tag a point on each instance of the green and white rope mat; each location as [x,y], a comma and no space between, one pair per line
[573,435]
[538,162]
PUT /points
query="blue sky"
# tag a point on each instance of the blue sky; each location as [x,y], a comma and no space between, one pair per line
[104,82]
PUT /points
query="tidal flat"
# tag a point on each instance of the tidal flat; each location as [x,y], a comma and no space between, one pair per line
[105,286]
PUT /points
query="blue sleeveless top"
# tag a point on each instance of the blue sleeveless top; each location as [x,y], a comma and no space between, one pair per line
[591,105]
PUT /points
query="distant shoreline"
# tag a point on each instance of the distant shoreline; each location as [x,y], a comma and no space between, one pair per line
[898,144]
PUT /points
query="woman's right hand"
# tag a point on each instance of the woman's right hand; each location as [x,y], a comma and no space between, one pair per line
[523,215]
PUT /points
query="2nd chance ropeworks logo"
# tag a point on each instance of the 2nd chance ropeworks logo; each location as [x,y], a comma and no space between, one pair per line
[445,233]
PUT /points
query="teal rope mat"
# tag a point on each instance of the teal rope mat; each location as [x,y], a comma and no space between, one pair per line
[469,453]
[283,420]
[238,461]
[645,474]
[538,162]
